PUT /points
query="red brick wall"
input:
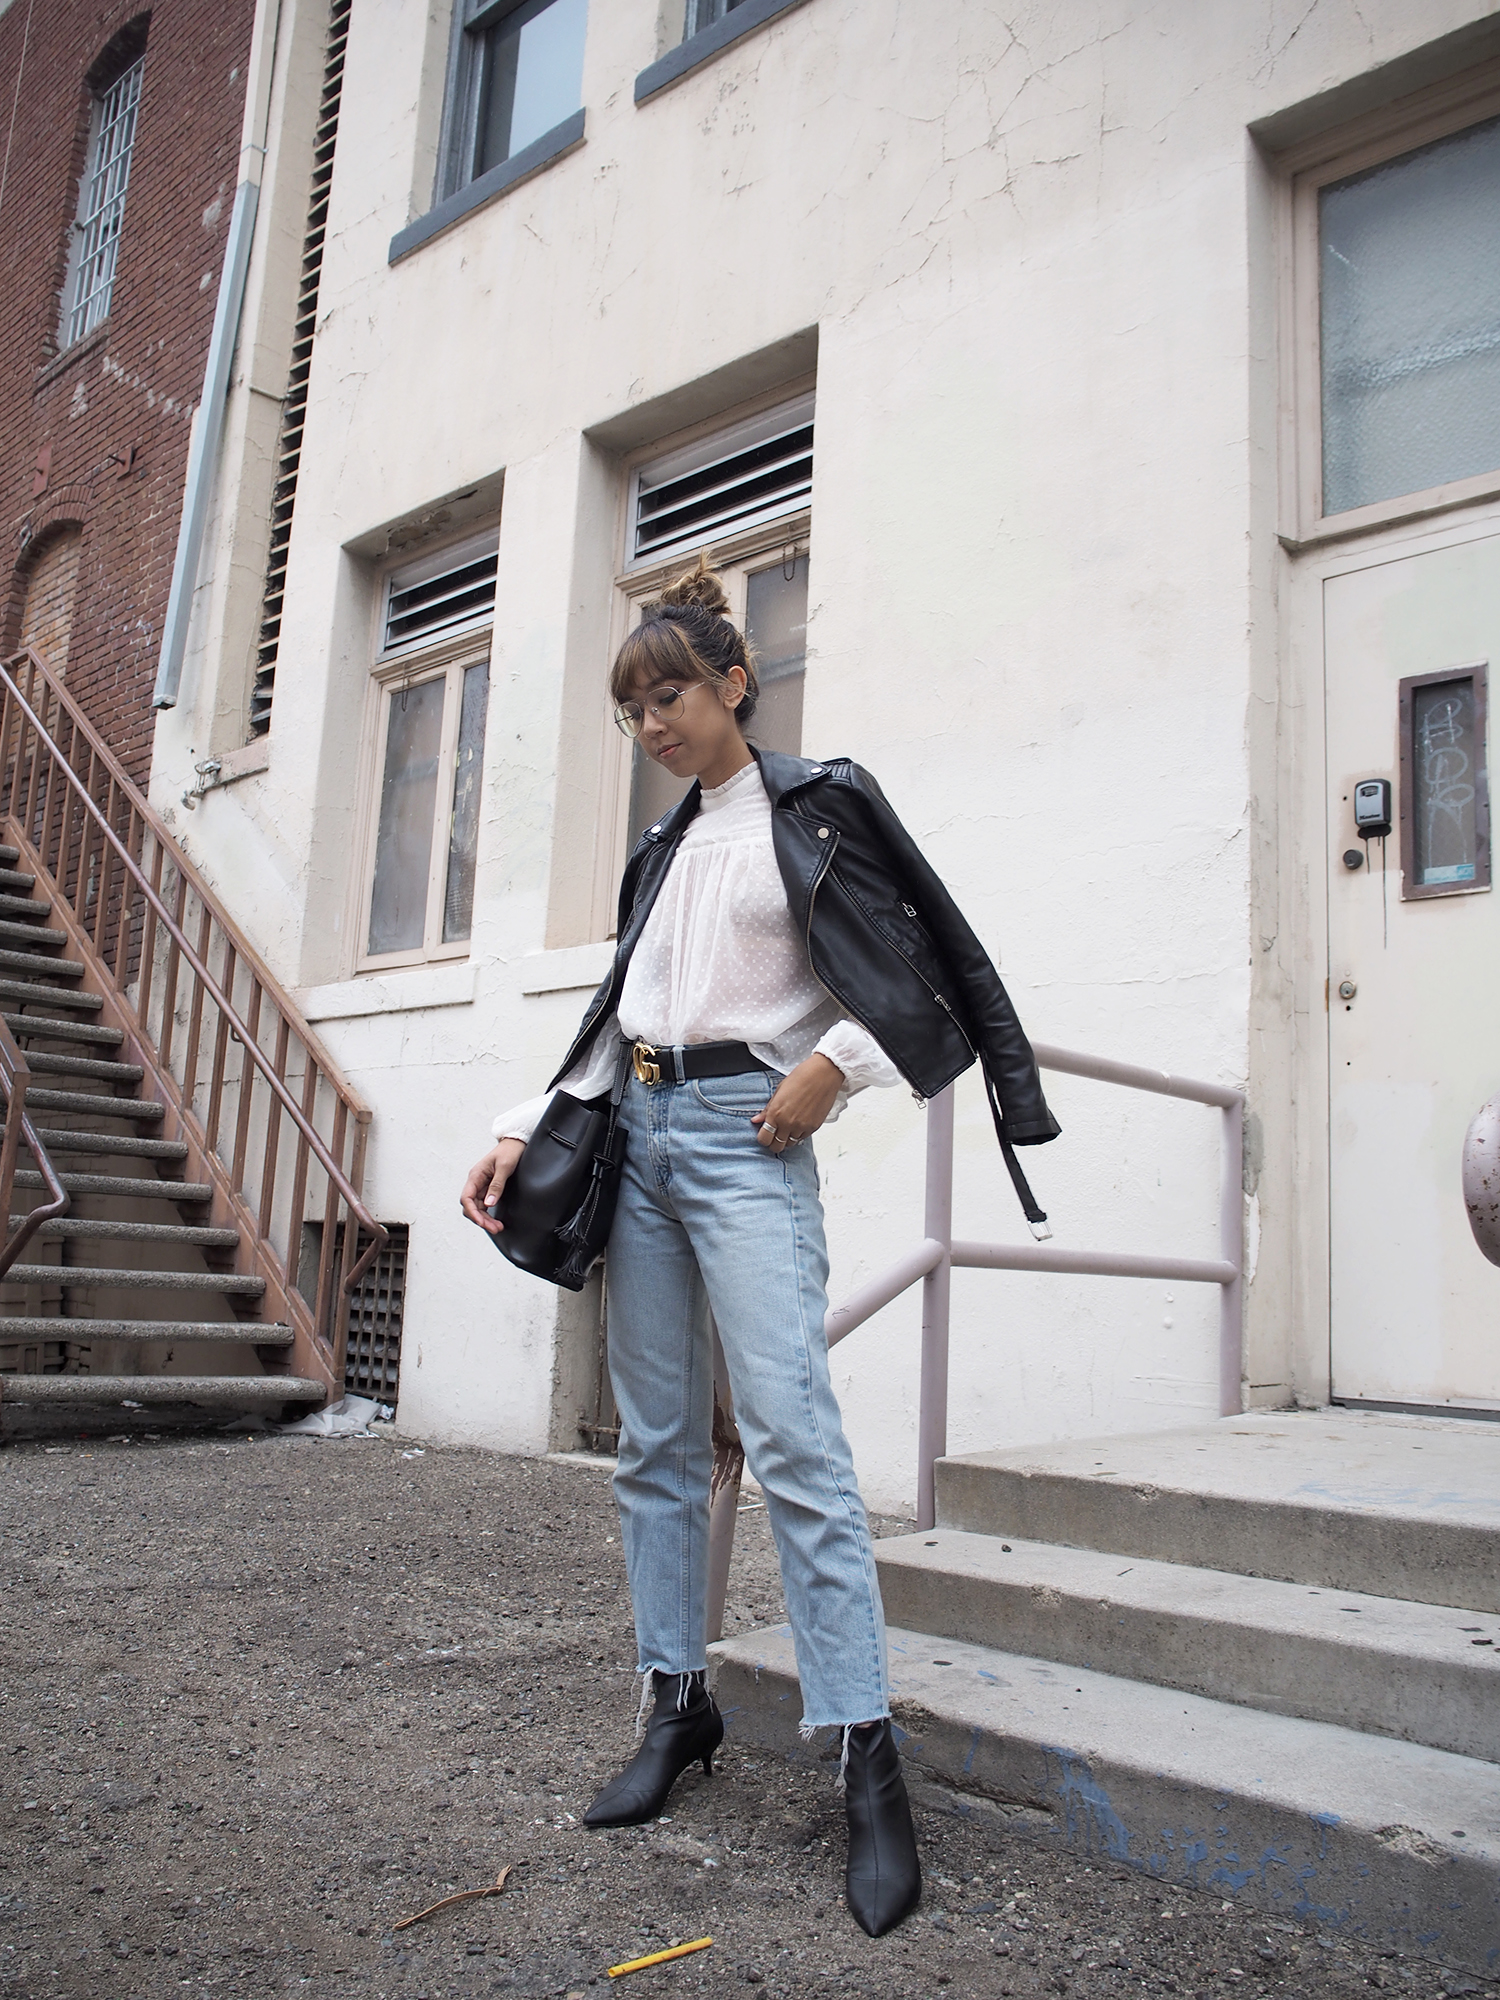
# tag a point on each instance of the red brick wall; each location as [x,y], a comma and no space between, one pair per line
[98,436]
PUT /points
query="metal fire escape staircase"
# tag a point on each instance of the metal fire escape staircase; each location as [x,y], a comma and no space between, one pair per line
[181,1160]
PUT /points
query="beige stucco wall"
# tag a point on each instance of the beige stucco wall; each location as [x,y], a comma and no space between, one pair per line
[1038,250]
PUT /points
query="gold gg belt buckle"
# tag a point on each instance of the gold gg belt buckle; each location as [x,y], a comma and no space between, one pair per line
[647,1070]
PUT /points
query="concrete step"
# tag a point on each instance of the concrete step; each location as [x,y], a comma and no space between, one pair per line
[96,1104]
[9,854]
[215,1392]
[1425,1673]
[31,934]
[61,1143]
[47,967]
[26,909]
[1393,1843]
[140,1187]
[255,1333]
[1341,1499]
[39,1027]
[32,994]
[17,884]
[44,1063]
[70,1227]
[80,1277]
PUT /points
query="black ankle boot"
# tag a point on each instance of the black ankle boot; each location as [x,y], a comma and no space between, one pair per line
[884,1881]
[685,1727]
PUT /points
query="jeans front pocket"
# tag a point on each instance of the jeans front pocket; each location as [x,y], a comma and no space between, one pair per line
[737,1096]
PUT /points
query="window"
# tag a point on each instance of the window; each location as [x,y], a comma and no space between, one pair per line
[431,693]
[1398,301]
[101,206]
[1445,796]
[700,14]
[741,493]
[516,76]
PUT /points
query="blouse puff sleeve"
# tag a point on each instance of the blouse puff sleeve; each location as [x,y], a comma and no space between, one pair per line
[850,1048]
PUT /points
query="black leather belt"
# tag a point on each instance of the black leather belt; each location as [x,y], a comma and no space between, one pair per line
[681,1065]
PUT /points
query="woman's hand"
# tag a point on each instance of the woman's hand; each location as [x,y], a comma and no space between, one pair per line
[803,1100]
[487,1178]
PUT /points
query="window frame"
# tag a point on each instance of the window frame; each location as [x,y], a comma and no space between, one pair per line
[1305,170]
[471,20]
[447,657]
[72,305]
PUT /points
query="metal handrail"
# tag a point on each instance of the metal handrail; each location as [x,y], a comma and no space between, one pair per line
[351,1108]
[932,1261]
[15,1080]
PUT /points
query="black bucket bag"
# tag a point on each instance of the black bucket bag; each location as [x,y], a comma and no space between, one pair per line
[558,1205]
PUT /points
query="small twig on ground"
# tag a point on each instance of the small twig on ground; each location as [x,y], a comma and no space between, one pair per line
[463,1896]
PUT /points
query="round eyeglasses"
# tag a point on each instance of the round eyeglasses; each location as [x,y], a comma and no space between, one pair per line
[630,716]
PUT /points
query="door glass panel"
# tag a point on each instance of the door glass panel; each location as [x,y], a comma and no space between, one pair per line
[463,838]
[1445,817]
[408,801]
[776,626]
[1409,257]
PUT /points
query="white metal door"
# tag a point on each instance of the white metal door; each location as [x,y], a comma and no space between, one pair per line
[1414,1037]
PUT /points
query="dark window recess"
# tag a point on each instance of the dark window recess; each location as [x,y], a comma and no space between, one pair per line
[294,409]
[1445,792]
[437,604]
[719,499]
[372,1362]
[701,14]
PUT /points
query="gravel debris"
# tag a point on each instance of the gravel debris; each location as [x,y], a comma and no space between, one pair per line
[267,1696]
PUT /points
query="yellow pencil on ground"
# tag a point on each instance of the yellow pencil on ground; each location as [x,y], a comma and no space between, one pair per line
[659,1957]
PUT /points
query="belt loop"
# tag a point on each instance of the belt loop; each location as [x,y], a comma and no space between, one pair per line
[677,1065]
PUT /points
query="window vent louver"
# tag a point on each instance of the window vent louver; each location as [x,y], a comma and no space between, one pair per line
[442,593]
[294,409]
[756,472]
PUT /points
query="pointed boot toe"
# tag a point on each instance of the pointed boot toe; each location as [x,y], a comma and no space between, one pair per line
[884,1881]
[685,1728]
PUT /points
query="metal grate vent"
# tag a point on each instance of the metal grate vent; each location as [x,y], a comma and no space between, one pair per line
[294,409]
[372,1365]
[757,471]
[440,594]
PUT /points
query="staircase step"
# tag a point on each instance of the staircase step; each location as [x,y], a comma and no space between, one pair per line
[145,1187]
[83,1277]
[61,1143]
[14,933]
[29,909]
[43,1028]
[1426,1673]
[217,1392]
[71,1227]
[18,884]
[32,995]
[1342,1499]
[1285,1816]
[33,961]
[9,854]
[43,1063]
[96,1104]
[254,1333]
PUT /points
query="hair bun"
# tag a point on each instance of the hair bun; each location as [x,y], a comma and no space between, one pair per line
[701,586]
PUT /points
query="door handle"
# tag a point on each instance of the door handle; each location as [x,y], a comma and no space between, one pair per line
[1482,1178]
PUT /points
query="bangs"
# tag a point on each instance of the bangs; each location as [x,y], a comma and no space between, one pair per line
[655,651]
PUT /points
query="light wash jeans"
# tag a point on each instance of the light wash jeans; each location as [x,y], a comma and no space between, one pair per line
[710,1221]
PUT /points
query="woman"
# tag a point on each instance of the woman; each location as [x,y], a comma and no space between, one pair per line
[782,944]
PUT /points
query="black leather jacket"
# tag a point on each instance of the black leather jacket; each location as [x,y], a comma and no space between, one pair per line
[883,934]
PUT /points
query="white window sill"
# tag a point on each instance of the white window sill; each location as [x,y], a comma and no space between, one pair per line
[391,993]
[568,971]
